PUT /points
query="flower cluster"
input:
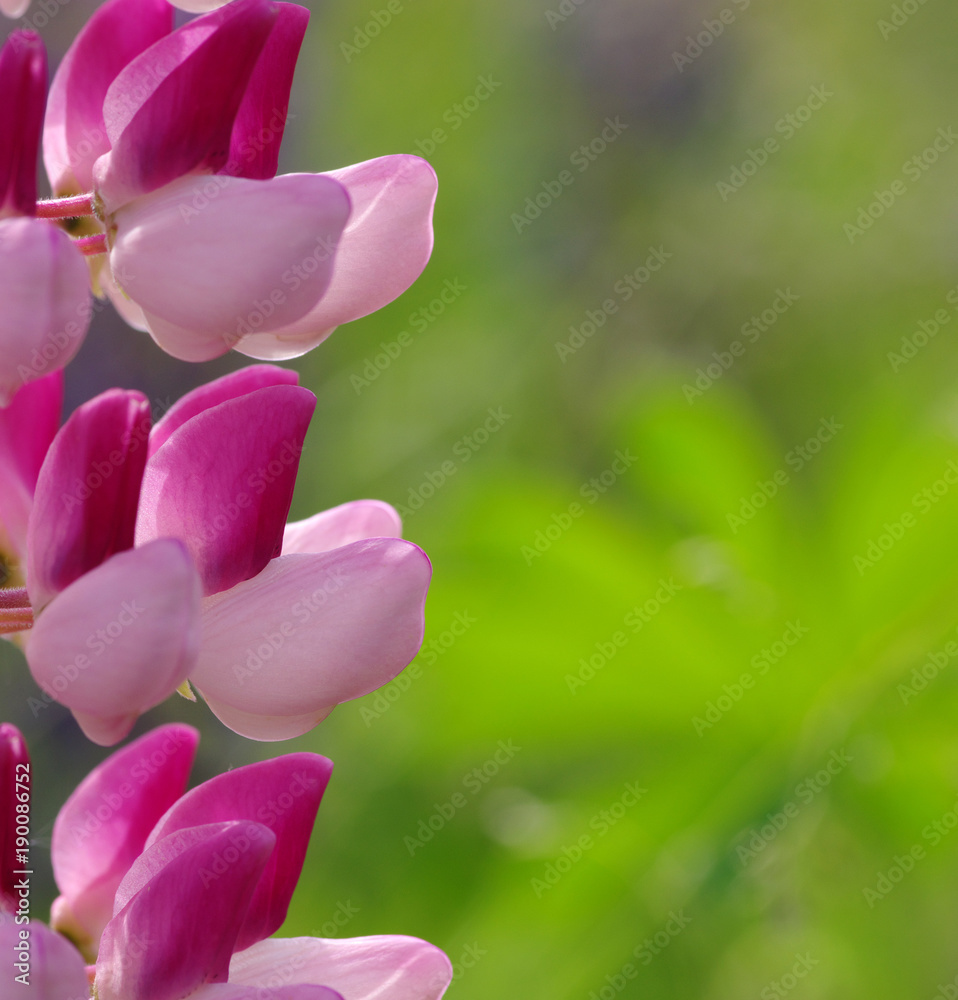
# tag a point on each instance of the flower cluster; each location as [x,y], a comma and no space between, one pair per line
[172,894]
[146,554]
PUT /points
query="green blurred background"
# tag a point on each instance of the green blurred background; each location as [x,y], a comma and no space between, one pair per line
[732,765]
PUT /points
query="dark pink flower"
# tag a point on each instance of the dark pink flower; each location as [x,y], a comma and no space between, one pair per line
[160,555]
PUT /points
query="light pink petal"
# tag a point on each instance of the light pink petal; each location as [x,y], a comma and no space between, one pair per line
[261,119]
[381,253]
[384,967]
[84,509]
[223,482]
[128,310]
[170,111]
[14,769]
[23,83]
[103,826]
[14,8]
[178,932]
[74,132]
[284,794]
[45,303]
[229,991]
[27,427]
[349,522]
[238,383]
[121,639]
[56,968]
[312,631]
[223,257]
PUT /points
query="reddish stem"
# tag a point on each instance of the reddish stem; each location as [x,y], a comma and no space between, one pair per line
[66,208]
[89,246]
[15,611]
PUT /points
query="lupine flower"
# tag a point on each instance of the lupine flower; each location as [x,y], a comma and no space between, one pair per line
[44,286]
[208,250]
[174,895]
[157,556]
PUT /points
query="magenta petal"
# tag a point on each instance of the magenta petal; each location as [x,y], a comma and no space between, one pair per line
[213,393]
[349,522]
[225,256]
[283,793]
[23,83]
[14,771]
[223,482]
[74,132]
[27,428]
[381,253]
[384,967]
[121,639]
[103,826]
[261,120]
[312,631]
[57,971]
[45,303]
[187,90]
[179,931]
[84,509]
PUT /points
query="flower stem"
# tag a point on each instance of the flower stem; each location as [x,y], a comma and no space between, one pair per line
[15,611]
[89,246]
[66,208]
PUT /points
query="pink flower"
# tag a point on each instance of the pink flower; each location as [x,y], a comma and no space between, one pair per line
[209,250]
[157,556]
[44,293]
[173,895]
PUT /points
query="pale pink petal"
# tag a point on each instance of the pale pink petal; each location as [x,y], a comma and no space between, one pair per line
[129,311]
[229,991]
[238,383]
[45,303]
[312,631]
[178,932]
[56,970]
[384,967]
[284,794]
[349,522]
[381,253]
[103,826]
[121,639]
[27,428]
[84,509]
[223,482]
[74,132]
[14,8]
[220,256]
